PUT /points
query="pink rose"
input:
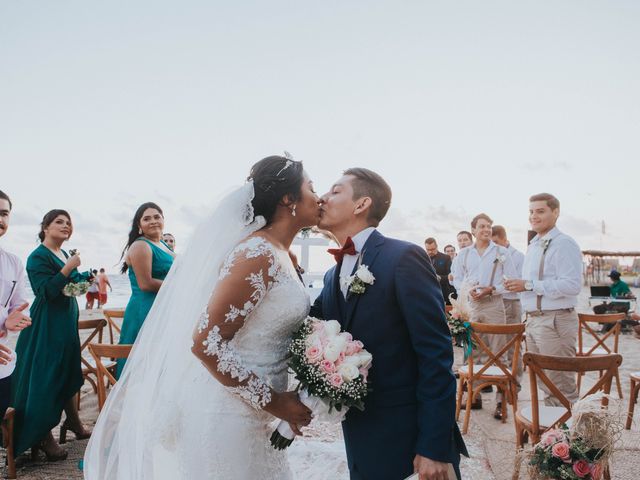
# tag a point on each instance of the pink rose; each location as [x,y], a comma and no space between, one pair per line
[581,468]
[335,379]
[341,357]
[552,436]
[359,346]
[561,450]
[313,354]
[352,347]
[327,367]
[596,471]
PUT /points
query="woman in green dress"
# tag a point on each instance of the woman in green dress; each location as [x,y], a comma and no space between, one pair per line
[48,372]
[148,260]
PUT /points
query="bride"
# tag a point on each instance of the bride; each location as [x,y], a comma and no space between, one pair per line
[208,373]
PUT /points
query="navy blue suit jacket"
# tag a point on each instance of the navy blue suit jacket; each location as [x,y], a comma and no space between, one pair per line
[401,321]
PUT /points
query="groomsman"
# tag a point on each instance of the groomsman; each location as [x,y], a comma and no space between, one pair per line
[482,266]
[464,239]
[550,283]
[442,264]
[512,306]
[14,315]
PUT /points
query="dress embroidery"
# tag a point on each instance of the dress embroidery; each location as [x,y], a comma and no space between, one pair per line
[253,389]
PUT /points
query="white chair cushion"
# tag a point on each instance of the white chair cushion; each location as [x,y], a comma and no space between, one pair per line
[600,351]
[547,415]
[492,371]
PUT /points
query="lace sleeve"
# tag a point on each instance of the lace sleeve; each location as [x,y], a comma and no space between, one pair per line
[244,280]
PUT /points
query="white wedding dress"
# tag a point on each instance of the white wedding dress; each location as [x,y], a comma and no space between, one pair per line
[168,417]
[233,431]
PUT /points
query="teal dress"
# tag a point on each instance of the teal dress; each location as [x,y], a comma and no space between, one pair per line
[140,302]
[48,369]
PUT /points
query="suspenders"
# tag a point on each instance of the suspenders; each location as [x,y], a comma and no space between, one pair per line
[540,274]
[495,265]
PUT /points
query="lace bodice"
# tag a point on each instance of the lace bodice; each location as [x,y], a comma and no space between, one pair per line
[258,303]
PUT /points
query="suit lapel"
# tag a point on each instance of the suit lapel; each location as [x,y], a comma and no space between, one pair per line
[369,254]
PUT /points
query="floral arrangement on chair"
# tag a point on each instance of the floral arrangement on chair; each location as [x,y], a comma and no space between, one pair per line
[579,452]
[458,321]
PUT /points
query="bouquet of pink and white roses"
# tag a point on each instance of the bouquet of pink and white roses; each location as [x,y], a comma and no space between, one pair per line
[332,370]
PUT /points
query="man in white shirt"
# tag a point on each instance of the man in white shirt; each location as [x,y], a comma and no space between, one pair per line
[550,284]
[512,305]
[480,269]
[14,315]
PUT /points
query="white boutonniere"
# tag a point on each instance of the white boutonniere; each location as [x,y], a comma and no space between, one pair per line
[500,259]
[357,283]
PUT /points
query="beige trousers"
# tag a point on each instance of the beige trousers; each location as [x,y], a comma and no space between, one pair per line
[513,314]
[488,310]
[555,333]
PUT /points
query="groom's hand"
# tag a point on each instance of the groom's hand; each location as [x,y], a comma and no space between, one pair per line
[428,469]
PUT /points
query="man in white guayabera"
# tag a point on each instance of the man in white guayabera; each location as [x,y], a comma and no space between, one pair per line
[480,269]
[550,284]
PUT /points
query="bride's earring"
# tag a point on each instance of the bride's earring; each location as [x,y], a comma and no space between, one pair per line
[139,231]
[293,210]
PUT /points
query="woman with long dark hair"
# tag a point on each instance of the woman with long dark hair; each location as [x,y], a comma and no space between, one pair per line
[48,373]
[148,260]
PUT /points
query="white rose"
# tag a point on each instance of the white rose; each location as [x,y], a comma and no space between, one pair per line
[365,275]
[365,358]
[339,342]
[332,327]
[332,352]
[353,360]
[348,372]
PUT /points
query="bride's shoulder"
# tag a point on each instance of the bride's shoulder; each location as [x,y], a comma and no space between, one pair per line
[254,252]
[254,246]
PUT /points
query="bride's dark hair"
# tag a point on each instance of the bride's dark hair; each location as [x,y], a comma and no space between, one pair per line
[274,178]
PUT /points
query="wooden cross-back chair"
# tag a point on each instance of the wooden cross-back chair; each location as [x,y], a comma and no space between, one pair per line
[633,397]
[105,370]
[474,377]
[96,328]
[605,342]
[534,420]
[111,314]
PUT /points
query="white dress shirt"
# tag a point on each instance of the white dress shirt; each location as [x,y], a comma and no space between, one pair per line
[562,278]
[517,257]
[13,293]
[475,269]
[349,261]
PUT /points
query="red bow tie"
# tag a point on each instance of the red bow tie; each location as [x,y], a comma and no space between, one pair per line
[347,249]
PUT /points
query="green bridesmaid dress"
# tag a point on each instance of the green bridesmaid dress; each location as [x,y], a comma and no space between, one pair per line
[48,369]
[140,302]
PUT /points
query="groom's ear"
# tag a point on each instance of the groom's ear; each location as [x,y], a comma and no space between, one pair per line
[363,204]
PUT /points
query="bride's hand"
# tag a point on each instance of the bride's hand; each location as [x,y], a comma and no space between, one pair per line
[288,407]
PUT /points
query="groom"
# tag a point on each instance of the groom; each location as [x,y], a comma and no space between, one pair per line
[408,424]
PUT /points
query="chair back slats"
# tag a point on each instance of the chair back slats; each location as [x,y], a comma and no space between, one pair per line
[516,331]
[585,319]
[111,315]
[100,351]
[538,363]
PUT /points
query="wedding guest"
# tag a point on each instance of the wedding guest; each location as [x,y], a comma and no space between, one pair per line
[464,239]
[48,372]
[170,240]
[442,264]
[480,268]
[103,282]
[14,313]
[450,250]
[550,284]
[512,306]
[92,293]
[148,261]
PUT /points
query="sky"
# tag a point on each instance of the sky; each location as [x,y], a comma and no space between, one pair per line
[464,107]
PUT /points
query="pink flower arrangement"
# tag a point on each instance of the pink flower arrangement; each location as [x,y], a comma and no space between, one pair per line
[332,369]
[562,456]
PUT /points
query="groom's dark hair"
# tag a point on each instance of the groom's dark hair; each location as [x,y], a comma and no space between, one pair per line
[368,183]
